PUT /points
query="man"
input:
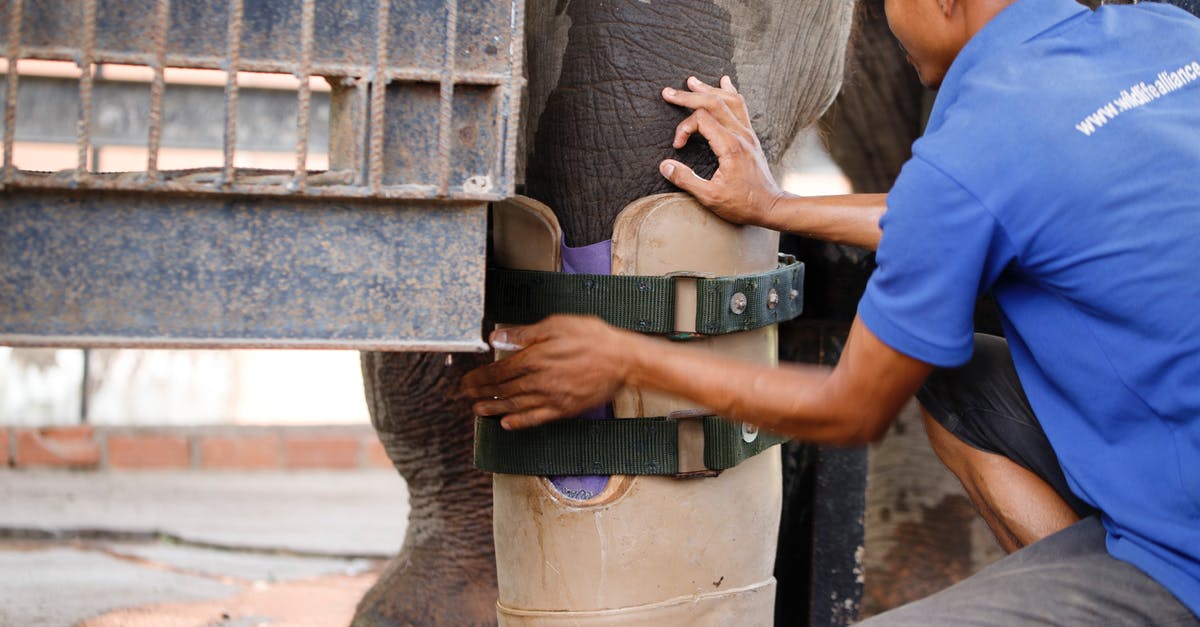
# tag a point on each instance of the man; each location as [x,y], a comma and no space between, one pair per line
[1060,170]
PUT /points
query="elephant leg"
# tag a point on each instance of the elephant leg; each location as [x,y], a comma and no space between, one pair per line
[445,573]
[597,128]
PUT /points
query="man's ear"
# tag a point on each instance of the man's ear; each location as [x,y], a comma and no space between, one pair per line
[947,6]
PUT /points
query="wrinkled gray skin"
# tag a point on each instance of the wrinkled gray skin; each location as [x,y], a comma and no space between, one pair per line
[593,132]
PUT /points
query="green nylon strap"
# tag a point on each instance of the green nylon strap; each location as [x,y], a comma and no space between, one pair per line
[647,304]
[624,446]
[771,297]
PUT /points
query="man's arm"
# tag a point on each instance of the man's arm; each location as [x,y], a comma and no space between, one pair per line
[743,191]
[851,219]
[571,363]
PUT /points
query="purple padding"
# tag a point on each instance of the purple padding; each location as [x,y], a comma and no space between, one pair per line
[591,259]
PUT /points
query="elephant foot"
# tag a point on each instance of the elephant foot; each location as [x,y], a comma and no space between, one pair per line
[446,572]
[426,586]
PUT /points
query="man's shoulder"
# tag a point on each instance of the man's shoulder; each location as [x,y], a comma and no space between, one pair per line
[1096,53]
[1021,116]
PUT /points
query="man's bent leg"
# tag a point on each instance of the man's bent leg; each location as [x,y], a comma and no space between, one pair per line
[1066,579]
[982,427]
[1017,505]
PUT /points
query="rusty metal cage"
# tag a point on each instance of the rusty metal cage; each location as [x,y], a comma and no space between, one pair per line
[439,129]
[384,248]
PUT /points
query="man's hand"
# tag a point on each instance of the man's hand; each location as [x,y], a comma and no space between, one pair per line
[742,190]
[567,364]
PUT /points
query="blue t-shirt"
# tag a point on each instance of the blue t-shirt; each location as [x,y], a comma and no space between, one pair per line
[1061,169]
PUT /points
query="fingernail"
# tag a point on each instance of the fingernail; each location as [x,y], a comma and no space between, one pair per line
[500,342]
[668,91]
[668,168]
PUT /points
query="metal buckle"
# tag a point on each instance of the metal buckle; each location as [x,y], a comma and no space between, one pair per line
[690,451]
[687,303]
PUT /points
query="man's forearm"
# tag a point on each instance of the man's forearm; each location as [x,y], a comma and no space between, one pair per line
[791,400]
[851,219]
[571,363]
[851,404]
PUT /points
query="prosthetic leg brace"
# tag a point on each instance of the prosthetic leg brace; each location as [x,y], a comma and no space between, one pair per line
[647,550]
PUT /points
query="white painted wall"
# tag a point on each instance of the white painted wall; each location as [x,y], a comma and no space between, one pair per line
[40,387]
[44,387]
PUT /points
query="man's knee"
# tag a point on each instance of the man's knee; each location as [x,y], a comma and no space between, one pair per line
[949,448]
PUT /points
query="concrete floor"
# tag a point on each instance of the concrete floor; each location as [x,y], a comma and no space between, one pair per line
[193,548]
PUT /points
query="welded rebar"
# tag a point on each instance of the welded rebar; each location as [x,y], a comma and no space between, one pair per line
[446,110]
[304,103]
[157,86]
[378,91]
[10,96]
[83,129]
[233,60]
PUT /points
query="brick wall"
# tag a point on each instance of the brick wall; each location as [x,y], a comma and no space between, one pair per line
[195,448]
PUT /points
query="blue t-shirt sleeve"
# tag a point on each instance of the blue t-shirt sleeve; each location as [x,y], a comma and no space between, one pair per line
[940,250]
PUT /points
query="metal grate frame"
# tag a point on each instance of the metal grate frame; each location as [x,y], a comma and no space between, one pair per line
[384,57]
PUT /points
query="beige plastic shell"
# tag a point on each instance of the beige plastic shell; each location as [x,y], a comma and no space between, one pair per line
[648,550]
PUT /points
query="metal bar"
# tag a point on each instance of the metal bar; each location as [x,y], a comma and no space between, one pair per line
[305,93]
[273,183]
[234,47]
[107,341]
[446,112]
[839,505]
[513,86]
[378,92]
[120,268]
[10,104]
[305,96]
[362,105]
[161,24]
[83,131]
[271,66]
[85,387]
[260,182]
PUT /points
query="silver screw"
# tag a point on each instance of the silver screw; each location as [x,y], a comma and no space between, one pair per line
[772,299]
[749,433]
[737,304]
[795,294]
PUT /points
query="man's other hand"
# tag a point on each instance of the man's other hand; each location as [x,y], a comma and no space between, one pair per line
[742,190]
[565,365]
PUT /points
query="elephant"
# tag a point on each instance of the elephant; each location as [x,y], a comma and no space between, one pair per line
[593,130]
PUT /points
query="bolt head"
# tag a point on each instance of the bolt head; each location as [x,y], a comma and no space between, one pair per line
[772,299]
[737,304]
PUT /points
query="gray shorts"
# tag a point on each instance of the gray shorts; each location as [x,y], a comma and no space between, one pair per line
[982,404]
[1066,579]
